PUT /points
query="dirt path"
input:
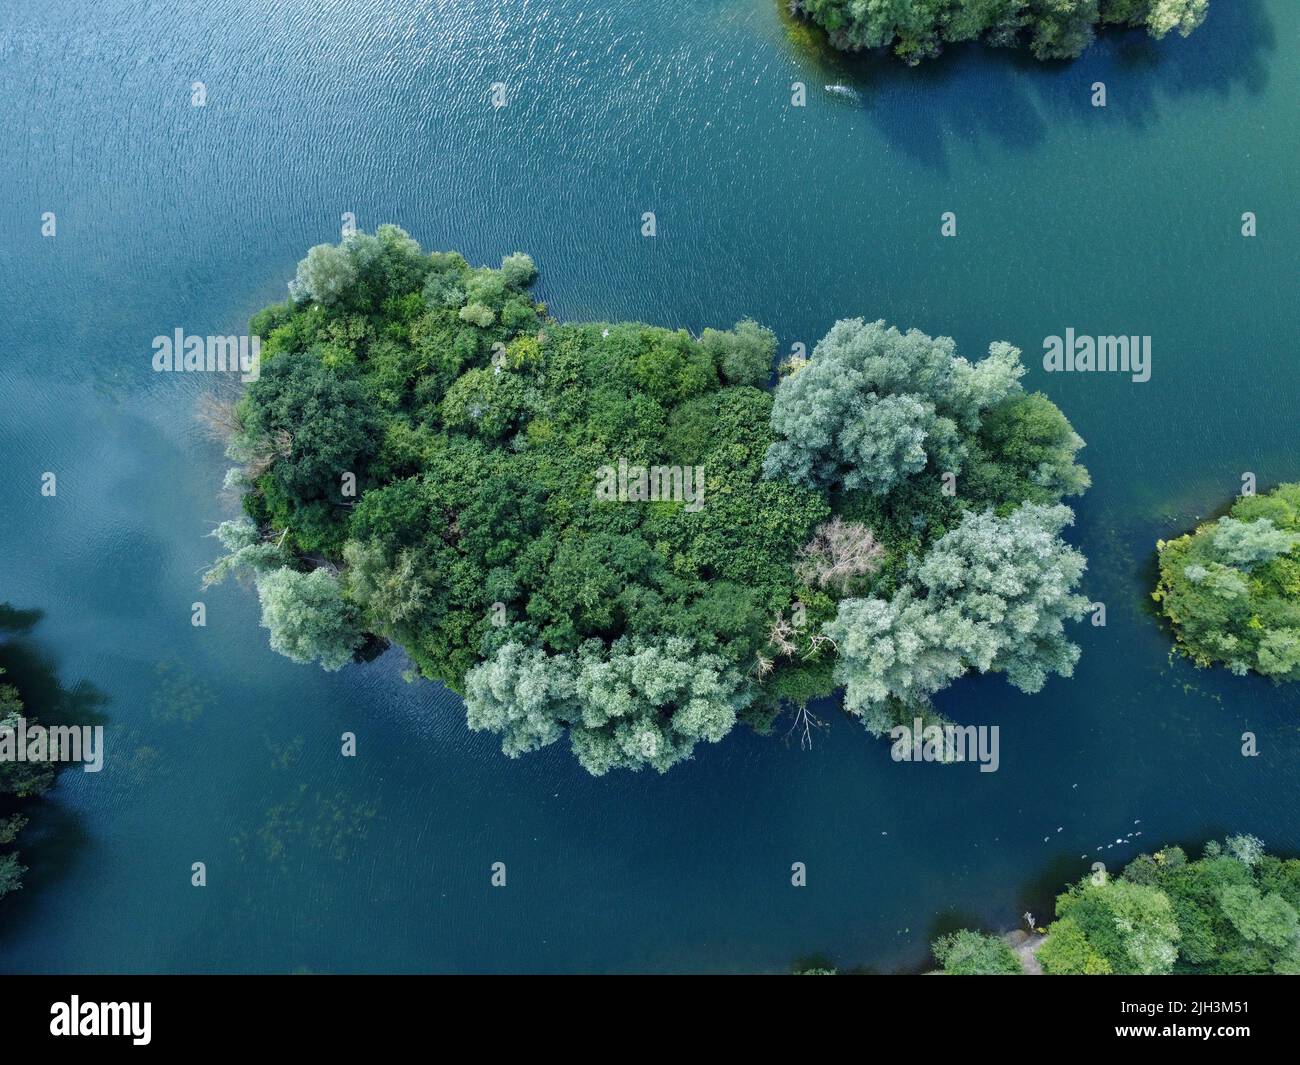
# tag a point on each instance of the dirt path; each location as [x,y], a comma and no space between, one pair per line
[1026,948]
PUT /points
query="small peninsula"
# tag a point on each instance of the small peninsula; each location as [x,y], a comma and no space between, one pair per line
[1233,911]
[1050,29]
[620,534]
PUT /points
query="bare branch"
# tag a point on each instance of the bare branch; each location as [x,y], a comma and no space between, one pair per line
[839,552]
[782,635]
[219,415]
[804,721]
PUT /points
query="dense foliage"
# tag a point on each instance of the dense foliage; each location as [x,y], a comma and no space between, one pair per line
[1052,29]
[1231,589]
[617,533]
[991,594]
[968,953]
[1236,910]
[19,781]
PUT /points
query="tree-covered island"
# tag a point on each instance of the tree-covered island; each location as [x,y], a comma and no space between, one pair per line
[1231,589]
[621,533]
[1051,29]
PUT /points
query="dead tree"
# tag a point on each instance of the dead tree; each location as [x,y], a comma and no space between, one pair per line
[839,552]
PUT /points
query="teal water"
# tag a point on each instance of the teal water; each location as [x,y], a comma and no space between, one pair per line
[1123,220]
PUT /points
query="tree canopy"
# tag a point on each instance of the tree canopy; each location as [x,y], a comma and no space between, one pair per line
[1051,29]
[969,953]
[618,534]
[19,781]
[874,406]
[991,595]
[1231,589]
[1234,911]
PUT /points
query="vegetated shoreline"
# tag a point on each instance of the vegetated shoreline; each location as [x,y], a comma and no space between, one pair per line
[1233,911]
[31,697]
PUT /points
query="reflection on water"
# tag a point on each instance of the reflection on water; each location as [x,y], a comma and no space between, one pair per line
[49,845]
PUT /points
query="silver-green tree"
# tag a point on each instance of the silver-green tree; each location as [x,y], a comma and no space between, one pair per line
[992,595]
[308,618]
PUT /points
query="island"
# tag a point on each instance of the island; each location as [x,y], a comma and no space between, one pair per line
[1231,589]
[1051,29]
[622,534]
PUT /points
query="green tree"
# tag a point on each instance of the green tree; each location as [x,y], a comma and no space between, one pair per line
[1231,589]
[245,551]
[23,783]
[1024,453]
[1267,918]
[991,595]
[874,406]
[327,276]
[629,706]
[11,874]
[308,618]
[967,953]
[1181,15]
[314,425]
[744,355]
[1067,952]
[518,270]
[1129,926]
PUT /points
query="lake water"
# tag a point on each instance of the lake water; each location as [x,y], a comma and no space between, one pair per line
[1118,220]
